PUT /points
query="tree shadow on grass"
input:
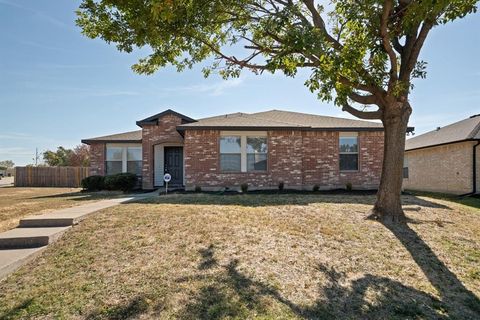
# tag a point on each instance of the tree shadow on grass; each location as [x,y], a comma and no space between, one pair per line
[129,310]
[228,293]
[461,302]
[17,311]
[208,261]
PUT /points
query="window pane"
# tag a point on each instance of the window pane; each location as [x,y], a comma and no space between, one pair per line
[349,161]
[257,161]
[230,162]
[230,144]
[114,154]
[256,145]
[134,154]
[135,167]
[348,144]
[113,167]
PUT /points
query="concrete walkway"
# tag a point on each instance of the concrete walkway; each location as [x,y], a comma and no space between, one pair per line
[34,233]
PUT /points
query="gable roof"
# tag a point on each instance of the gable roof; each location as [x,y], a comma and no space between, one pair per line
[277,119]
[464,130]
[125,137]
[154,119]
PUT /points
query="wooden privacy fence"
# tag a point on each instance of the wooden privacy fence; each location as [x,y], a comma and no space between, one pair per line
[50,176]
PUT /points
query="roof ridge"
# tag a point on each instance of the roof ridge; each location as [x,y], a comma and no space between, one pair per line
[220,116]
[315,115]
[282,122]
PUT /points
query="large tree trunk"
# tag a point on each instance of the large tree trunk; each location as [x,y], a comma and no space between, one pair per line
[388,206]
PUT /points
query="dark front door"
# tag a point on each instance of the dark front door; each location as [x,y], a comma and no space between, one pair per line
[174,164]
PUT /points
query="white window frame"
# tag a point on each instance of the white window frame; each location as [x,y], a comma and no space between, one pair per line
[349,135]
[243,146]
[124,147]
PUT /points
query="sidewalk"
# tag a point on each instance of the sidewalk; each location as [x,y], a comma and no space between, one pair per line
[34,233]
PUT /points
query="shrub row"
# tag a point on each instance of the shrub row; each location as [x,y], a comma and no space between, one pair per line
[281,186]
[122,181]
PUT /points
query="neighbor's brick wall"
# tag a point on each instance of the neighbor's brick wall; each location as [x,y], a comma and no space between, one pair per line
[298,158]
[164,132]
[97,158]
[445,168]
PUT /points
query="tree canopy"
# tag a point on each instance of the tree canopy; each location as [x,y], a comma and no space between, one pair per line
[7,164]
[77,157]
[358,51]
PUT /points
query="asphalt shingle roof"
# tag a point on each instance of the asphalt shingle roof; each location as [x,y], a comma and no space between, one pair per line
[280,119]
[467,129]
[131,136]
[266,119]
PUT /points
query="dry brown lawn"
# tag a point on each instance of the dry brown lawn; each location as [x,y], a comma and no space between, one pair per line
[16,203]
[287,256]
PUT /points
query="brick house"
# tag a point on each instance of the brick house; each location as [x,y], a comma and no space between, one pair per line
[261,149]
[445,160]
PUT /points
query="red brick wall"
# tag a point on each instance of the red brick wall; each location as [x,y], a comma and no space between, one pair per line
[164,132]
[298,158]
[97,158]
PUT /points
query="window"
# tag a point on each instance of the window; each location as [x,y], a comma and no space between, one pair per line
[230,153]
[348,146]
[114,160]
[405,167]
[134,160]
[256,153]
[123,159]
[243,151]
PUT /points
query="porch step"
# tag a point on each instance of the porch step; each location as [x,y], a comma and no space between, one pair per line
[21,238]
[66,217]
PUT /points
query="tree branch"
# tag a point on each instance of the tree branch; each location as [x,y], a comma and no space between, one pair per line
[387,8]
[368,115]
[370,99]
[320,24]
[417,45]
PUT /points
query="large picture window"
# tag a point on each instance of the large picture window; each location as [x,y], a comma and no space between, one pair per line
[256,153]
[134,160]
[230,153]
[243,151]
[114,160]
[126,158]
[348,146]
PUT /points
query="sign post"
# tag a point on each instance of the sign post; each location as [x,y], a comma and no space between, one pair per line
[167,177]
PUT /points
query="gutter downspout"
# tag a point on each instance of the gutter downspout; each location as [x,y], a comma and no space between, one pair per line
[474,189]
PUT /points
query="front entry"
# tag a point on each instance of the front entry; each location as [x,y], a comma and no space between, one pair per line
[174,164]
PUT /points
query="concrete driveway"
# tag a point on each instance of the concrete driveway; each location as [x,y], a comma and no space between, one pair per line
[6,182]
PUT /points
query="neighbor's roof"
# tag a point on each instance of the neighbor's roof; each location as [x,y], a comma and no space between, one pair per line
[131,136]
[464,130]
[280,120]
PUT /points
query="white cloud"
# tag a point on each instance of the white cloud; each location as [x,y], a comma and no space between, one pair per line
[15,151]
[14,136]
[214,89]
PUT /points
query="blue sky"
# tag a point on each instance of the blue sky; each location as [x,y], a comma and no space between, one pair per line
[57,86]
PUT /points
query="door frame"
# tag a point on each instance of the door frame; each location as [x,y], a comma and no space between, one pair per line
[159,162]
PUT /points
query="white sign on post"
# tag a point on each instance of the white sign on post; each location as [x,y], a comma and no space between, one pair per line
[167,177]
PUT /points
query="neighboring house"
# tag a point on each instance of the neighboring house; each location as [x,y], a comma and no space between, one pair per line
[10,172]
[445,160]
[261,149]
